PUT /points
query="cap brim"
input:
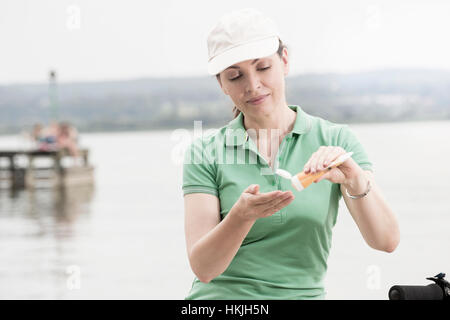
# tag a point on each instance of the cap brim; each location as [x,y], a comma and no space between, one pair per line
[251,50]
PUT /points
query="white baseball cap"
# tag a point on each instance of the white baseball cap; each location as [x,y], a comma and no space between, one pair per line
[241,35]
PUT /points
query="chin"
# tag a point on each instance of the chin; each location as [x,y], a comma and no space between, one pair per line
[265,107]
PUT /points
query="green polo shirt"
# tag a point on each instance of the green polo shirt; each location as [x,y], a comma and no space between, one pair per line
[283,256]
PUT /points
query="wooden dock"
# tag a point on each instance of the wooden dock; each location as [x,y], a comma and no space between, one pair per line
[21,171]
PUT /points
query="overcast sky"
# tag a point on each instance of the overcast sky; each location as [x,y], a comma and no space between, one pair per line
[126,39]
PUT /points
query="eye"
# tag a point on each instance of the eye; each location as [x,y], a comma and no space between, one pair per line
[260,69]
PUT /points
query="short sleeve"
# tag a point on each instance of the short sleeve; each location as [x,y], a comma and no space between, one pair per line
[348,140]
[199,171]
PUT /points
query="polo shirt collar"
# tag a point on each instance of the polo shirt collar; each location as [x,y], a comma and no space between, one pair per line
[236,134]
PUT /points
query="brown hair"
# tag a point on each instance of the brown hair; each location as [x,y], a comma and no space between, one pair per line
[235,110]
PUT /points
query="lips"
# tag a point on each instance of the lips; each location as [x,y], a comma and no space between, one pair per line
[258,98]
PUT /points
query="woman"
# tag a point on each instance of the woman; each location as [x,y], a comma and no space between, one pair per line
[67,139]
[47,137]
[249,234]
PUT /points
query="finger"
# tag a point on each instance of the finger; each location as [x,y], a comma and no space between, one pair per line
[329,157]
[284,196]
[308,166]
[269,204]
[255,189]
[270,211]
[266,197]
[319,154]
[278,206]
[281,198]
[252,188]
[322,157]
[277,199]
[337,152]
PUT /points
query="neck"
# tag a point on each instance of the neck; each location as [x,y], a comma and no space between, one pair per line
[283,119]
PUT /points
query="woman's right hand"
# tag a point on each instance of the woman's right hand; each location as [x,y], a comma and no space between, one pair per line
[252,205]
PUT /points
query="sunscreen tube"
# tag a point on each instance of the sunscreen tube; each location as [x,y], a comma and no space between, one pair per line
[302,180]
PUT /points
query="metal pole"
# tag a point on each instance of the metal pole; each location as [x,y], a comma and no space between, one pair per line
[53,96]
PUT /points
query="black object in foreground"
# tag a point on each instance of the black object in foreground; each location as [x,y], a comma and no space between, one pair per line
[439,290]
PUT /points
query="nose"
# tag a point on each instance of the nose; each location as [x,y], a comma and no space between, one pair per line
[253,83]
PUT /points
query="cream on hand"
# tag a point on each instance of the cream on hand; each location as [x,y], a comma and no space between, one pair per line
[302,180]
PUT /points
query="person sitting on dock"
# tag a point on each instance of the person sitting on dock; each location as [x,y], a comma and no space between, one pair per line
[37,134]
[67,138]
[57,136]
[45,138]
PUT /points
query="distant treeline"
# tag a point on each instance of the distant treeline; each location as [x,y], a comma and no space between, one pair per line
[158,103]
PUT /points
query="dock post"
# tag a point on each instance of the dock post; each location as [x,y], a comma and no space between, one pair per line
[29,174]
[17,175]
[58,169]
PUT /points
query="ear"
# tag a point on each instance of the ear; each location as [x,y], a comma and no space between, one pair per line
[285,61]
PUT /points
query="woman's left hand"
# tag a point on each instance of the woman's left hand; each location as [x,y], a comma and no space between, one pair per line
[348,171]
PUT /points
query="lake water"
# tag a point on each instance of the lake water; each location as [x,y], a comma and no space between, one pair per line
[124,238]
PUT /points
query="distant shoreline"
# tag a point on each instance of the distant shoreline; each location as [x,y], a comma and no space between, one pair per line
[168,128]
[382,96]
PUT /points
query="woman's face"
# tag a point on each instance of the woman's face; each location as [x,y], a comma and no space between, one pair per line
[249,79]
